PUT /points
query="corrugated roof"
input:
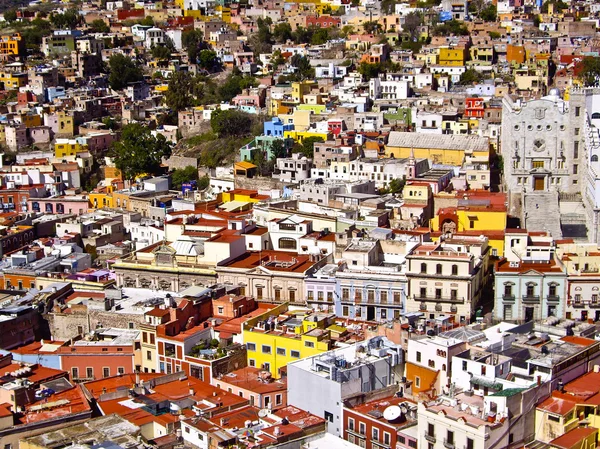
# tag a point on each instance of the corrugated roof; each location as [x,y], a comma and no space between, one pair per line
[438,141]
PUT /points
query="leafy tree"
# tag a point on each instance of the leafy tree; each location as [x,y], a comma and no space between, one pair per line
[307,147]
[160,52]
[302,35]
[559,6]
[282,32]
[179,93]
[147,21]
[537,21]
[192,41]
[99,26]
[470,76]
[302,64]
[494,35]
[489,13]
[203,182]
[396,185]
[123,70]
[183,175]
[278,149]
[452,27]
[388,6]
[320,36]
[372,27]
[10,15]
[68,20]
[233,85]
[347,30]
[369,71]
[207,59]
[231,123]
[139,152]
[589,70]
[411,25]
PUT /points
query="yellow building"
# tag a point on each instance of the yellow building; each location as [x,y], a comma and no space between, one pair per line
[102,197]
[452,56]
[301,88]
[439,148]
[428,58]
[66,124]
[299,136]
[68,147]
[12,80]
[31,120]
[11,46]
[290,337]
[242,195]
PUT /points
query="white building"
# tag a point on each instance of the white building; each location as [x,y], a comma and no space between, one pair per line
[154,37]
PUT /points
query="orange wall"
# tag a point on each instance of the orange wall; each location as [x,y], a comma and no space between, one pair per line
[427,377]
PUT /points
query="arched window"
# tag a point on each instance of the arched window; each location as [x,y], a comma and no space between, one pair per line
[594,158]
[287,243]
[454,270]
[438,268]
[423,268]
[596,115]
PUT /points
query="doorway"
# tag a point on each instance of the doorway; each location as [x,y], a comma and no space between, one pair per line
[538,184]
[370,313]
[528,314]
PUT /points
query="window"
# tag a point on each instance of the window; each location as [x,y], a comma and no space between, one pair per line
[450,437]
[281,351]
[345,311]
[266,349]
[287,243]
[89,372]
[552,290]
[471,224]
[464,365]
[430,429]
[470,443]
[362,428]
[577,112]
[309,344]
[259,293]
[371,295]
[278,399]
[75,373]
[295,354]
[144,337]
[220,310]
[417,382]
[383,296]
[251,346]
[423,268]
[251,362]
[454,270]
[537,164]
[375,434]
[575,169]
[328,416]
[105,372]
[345,293]
[386,438]
[431,363]
[507,312]
[152,339]
[576,131]
[418,357]
[508,290]
[438,268]
[576,149]
[148,355]
[320,296]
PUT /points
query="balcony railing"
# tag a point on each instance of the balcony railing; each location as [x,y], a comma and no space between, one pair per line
[436,298]
[448,444]
[578,304]
[430,437]
[508,297]
[553,298]
[530,299]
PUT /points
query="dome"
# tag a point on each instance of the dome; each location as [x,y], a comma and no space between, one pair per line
[554,92]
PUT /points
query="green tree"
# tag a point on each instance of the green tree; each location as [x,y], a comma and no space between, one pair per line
[537,21]
[99,26]
[347,30]
[282,32]
[411,25]
[67,20]
[559,6]
[489,13]
[494,35]
[192,40]
[231,123]
[183,175]
[203,182]
[303,67]
[138,151]
[320,36]
[302,35]
[396,185]
[307,147]
[589,70]
[179,95]
[278,149]
[207,59]
[160,52]
[470,76]
[123,70]
[372,27]
[147,21]
[369,71]
[10,15]
[452,27]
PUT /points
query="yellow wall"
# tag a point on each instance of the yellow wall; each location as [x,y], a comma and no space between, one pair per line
[299,136]
[31,120]
[103,200]
[68,149]
[11,81]
[226,197]
[66,124]
[452,56]
[438,156]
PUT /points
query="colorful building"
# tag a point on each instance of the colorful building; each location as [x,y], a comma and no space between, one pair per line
[68,147]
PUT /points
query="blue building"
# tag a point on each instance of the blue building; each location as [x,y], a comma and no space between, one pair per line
[276,127]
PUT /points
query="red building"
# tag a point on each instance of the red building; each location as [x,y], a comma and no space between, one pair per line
[474,107]
[323,21]
[387,422]
[113,354]
[127,14]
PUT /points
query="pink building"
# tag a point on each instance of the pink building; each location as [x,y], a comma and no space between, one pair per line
[59,205]
[256,385]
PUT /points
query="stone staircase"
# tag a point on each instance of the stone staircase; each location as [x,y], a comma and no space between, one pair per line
[541,212]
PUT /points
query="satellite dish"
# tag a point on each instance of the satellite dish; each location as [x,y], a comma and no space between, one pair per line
[262,413]
[392,412]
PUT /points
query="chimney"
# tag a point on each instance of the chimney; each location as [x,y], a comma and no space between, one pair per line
[192,392]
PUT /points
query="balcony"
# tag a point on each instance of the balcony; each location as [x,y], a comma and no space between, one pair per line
[530,299]
[448,444]
[594,305]
[578,304]
[507,298]
[436,298]
[430,437]
[553,298]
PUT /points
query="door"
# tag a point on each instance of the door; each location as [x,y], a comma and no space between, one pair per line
[528,313]
[538,183]
[370,313]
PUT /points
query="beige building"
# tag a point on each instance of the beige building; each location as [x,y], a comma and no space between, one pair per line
[448,277]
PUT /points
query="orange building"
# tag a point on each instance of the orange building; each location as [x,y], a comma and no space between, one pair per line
[515,54]
[423,379]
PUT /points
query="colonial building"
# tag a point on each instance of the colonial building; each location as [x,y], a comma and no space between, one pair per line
[448,277]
